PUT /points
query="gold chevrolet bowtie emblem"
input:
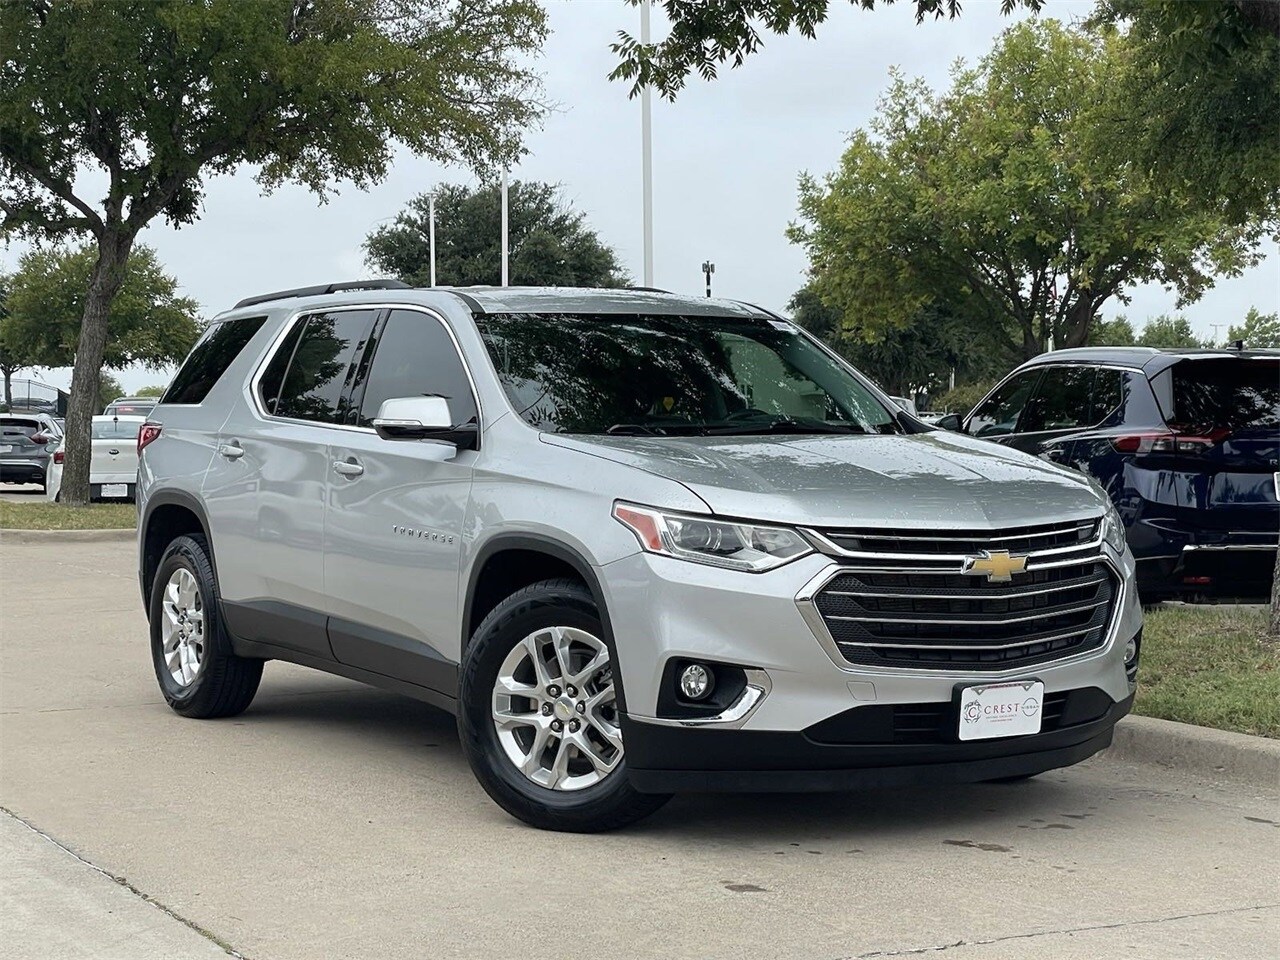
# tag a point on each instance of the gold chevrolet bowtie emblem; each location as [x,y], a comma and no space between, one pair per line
[998,565]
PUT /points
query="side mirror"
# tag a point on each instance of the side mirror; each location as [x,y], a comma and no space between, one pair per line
[423,418]
[950,422]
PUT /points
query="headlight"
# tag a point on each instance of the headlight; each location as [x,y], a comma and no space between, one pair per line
[1113,529]
[717,543]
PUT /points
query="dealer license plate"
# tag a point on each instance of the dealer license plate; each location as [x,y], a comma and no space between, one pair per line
[1001,709]
[113,490]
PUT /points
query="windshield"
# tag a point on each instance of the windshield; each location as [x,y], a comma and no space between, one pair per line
[1236,394]
[116,429]
[675,375]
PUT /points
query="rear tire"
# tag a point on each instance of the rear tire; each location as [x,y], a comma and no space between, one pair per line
[199,674]
[567,736]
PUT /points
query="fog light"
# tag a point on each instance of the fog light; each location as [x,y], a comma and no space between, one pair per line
[696,681]
[1131,650]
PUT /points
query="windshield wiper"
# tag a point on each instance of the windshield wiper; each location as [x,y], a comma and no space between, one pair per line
[635,430]
[782,425]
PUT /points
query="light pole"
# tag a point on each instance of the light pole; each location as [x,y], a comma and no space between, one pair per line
[431,232]
[708,268]
[506,266]
[646,153]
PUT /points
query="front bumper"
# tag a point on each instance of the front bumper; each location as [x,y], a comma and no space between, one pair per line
[673,760]
[662,609]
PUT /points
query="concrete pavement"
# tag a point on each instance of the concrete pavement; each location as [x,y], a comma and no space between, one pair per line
[332,820]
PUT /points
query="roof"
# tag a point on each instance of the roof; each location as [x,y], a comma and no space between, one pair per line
[511,299]
[112,418]
[1149,359]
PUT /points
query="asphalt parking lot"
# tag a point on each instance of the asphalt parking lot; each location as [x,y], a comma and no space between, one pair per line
[337,821]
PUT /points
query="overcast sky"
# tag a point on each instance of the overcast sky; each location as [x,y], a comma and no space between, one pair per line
[726,157]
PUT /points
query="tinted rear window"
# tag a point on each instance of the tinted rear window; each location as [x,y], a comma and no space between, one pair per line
[116,430]
[213,354]
[1238,394]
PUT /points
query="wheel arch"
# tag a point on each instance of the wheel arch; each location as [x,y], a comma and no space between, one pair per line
[491,579]
[168,514]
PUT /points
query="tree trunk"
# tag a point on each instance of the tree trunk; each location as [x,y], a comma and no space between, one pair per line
[1275,600]
[8,388]
[114,247]
[1079,319]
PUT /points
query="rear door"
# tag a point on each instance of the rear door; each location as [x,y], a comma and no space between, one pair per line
[265,487]
[1225,415]
[393,526]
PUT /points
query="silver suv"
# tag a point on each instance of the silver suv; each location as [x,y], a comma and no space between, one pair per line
[639,544]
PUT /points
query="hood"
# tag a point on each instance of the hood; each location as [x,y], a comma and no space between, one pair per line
[935,479]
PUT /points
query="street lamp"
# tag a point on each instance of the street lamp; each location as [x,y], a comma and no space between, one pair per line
[431,231]
[708,268]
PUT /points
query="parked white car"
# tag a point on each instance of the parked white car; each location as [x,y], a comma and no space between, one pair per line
[113,471]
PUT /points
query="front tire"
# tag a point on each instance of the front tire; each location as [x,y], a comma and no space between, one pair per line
[198,672]
[538,713]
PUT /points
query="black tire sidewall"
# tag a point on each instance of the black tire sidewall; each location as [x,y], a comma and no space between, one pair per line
[553,604]
[190,554]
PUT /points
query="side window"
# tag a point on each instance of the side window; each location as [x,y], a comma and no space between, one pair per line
[414,356]
[321,365]
[1061,401]
[1109,387]
[999,415]
[273,377]
[213,353]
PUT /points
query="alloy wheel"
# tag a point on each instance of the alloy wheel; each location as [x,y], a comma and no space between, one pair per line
[183,627]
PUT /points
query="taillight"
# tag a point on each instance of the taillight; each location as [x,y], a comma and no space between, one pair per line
[59,456]
[148,432]
[1196,443]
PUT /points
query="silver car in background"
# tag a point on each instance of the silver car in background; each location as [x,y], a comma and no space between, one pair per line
[639,543]
[27,441]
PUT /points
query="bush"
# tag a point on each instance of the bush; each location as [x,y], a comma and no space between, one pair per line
[963,398]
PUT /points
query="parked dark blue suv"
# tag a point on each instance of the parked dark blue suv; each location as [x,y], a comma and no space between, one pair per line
[1186,442]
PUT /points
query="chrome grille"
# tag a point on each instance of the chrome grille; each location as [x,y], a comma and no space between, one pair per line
[907,603]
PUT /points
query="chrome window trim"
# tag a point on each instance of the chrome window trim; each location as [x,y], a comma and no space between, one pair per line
[805,601]
[732,717]
[291,318]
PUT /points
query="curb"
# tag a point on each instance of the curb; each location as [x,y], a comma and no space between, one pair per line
[68,536]
[1202,751]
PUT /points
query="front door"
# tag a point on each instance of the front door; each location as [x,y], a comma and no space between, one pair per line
[395,512]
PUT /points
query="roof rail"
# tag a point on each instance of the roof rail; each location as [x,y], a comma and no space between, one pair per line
[649,289]
[324,288]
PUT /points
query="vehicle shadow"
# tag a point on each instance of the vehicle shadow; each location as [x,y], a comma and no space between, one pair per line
[394,730]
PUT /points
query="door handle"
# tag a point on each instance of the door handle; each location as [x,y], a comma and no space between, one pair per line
[114,453]
[232,450]
[348,468]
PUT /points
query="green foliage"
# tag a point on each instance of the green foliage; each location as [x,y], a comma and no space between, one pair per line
[1112,333]
[917,357]
[1168,332]
[963,398]
[153,391]
[1204,95]
[148,322]
[551,243]
[160,94]
[1258,330]
[109,388]
[707,33]
[1004,203]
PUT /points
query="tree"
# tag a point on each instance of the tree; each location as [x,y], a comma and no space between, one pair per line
[707,33]
[918,357]
[147,323]
[1005,200]
[550,242]
[1169,333]
[152,391]
[1117,332]
[1257,330]
[109,389]
[14,353]
[1204,101]
[157,96]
